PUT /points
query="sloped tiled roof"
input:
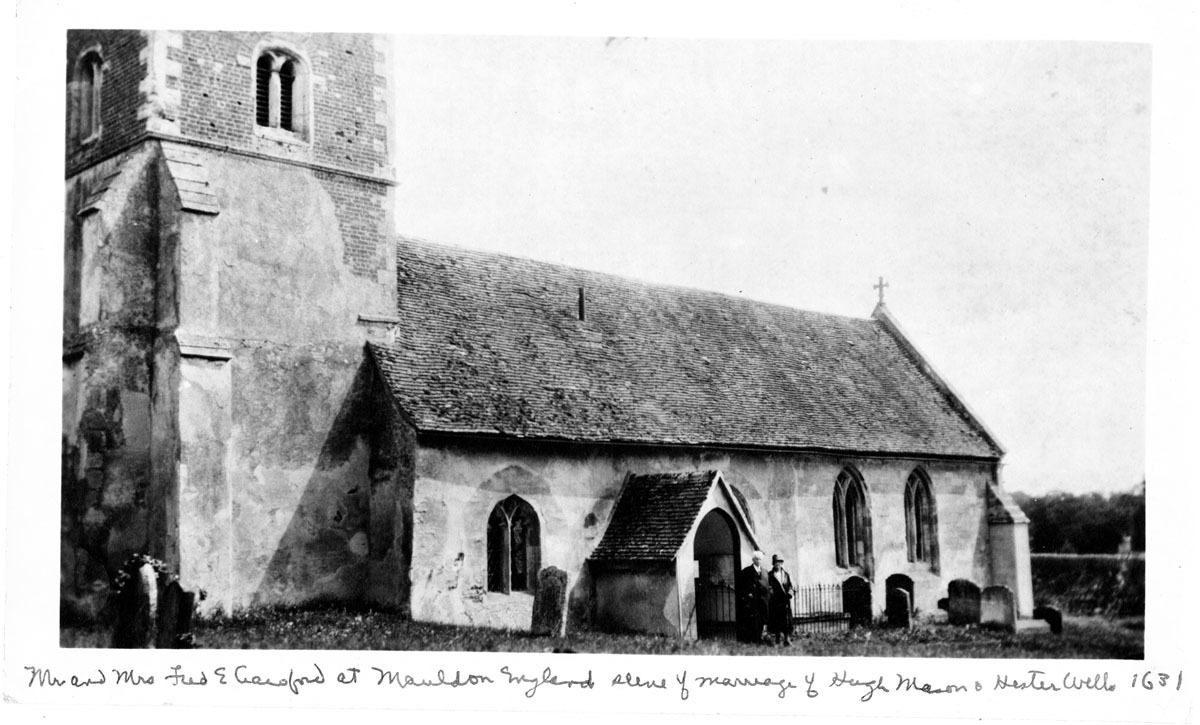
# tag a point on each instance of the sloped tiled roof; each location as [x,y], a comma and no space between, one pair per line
[653,515]
[492,344]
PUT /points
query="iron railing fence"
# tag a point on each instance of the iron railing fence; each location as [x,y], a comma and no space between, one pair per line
[819,608]
[815,608]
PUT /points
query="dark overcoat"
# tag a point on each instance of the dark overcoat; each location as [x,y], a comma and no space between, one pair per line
[753,594]
[779,609]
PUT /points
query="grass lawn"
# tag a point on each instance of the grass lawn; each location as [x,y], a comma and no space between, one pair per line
[341,629]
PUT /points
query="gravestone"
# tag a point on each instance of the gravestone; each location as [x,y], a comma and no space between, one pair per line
[137,610]
[168,615]
[899,608]
[856,601]
[905,582]
[550,603]
[997,608]
[944,604]
[964,602]
[1051,616]
[175,608]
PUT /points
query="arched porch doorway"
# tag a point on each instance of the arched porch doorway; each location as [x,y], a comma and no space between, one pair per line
[716,551]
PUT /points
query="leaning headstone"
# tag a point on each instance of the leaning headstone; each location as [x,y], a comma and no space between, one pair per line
[137,610]
[964,602]
[856,601]
[997,608]
[899,608]
[902,581]
[1051,616]
[550,603]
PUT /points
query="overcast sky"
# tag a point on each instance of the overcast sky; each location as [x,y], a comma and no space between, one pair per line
[1000,188]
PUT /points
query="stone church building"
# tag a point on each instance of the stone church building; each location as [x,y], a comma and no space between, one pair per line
[270,390]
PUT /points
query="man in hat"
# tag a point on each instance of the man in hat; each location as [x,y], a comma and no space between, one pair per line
[753,592]
[779,607]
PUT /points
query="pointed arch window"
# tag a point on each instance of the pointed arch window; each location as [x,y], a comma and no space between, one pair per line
[281,93]
[852,523]
[87,82]
[514,547]
[920,520]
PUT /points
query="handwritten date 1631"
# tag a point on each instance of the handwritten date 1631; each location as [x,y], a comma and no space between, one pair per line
[1157,680]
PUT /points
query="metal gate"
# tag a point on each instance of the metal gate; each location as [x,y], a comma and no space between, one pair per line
[716,611]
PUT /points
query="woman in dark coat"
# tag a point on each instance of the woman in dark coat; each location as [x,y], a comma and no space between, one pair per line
[779,606]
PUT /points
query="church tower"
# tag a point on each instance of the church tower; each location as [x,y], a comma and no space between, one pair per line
[228,252]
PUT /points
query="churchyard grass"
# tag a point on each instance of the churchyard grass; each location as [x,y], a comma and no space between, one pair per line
[342,629]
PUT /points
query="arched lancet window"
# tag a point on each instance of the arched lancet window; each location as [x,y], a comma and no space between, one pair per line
[262,89]
[514,547]
[852,523]
[88,78]
[281,92]
[920,520]
[287,95]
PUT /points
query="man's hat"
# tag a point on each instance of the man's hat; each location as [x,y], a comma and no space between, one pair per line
[777,558]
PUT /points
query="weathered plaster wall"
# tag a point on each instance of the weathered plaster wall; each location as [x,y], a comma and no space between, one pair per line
[643,600]
[393,447]
[1010,563]
[218,408]
[205,501]
[108,358]
[455,491]
[959,491]
[276,442]
[573,489]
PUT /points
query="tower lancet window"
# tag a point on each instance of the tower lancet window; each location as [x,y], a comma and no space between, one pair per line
[281,92]
[86,97]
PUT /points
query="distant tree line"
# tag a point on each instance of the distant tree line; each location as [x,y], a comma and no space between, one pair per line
[1088,523]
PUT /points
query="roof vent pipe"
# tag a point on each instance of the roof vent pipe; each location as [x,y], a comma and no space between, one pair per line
[582,308]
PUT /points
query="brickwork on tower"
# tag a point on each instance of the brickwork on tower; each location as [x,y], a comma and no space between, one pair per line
[349,120]
[349,106]
[216,268]
[123,93]
[361,213]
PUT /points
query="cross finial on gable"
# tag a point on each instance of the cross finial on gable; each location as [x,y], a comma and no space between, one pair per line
[879,286]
